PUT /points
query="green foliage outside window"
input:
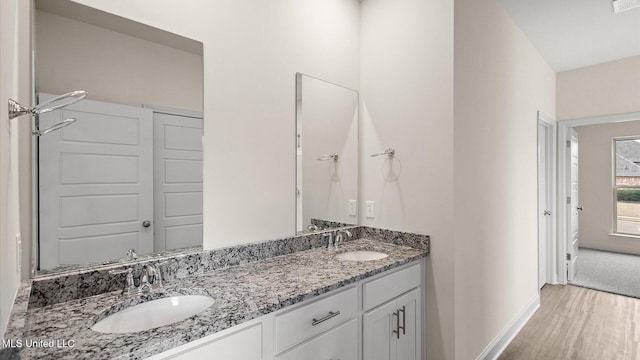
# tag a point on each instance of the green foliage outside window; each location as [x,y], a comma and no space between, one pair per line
[629,195]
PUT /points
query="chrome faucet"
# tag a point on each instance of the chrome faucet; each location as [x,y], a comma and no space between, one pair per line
[150,278]
[340,237]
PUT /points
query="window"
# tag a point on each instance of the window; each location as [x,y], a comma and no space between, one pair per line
[627,186]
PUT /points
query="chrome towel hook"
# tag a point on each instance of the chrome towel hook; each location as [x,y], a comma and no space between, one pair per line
[16,109]
[333,157]
[390,152]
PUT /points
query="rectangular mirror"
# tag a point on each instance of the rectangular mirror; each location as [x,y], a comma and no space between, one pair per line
[326,155]
[127,174]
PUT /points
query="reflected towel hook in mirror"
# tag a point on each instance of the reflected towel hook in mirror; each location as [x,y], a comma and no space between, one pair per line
[16,109]
[333,157]
[390,152]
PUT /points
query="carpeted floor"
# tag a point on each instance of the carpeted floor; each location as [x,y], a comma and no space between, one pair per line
[608,271]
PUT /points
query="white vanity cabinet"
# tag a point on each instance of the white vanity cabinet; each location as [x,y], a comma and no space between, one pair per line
[238,344]
[356,322]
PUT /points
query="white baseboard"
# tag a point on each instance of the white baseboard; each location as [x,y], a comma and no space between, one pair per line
[504,338]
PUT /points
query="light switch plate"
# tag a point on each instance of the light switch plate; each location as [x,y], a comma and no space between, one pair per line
[370,209]
[353,207]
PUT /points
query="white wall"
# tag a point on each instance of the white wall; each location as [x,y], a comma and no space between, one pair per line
[594,178]
[14,83]
[252,50]
[406,103]
[603,89]
[114,67]
[500,83]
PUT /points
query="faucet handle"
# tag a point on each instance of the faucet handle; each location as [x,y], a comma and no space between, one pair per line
[132,255]
[331,241]
[159,267]
[130,284]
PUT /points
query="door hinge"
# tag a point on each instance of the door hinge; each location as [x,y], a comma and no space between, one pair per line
[568,200]
[568,143]
[569,257]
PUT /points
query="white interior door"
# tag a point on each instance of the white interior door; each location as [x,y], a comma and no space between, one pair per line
[95,183]
[178,179]
[544,205]
[573,207]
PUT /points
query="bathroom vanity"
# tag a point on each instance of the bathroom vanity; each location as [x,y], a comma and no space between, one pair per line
[380,317]
[283,299]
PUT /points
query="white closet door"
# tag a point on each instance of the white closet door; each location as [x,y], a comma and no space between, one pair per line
[178,179]
[95,182]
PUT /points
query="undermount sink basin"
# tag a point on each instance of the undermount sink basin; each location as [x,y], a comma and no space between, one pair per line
[153,314]
[362,255]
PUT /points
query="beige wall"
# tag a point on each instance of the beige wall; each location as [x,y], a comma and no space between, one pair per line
[501,81]
[114,67]
[406,85]
[15,137]
[594,179]
[603,89]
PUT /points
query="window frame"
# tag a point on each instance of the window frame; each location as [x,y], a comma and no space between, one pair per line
[615,187]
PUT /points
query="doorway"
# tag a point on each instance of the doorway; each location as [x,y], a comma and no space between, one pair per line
[546,201]
[596,213]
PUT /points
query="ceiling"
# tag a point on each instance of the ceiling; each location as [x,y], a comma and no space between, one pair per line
[571,34]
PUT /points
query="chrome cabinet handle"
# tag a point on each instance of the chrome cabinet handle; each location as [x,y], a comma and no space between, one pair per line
[146,223]
[547,212]
[331,314]
[580,208]
[404,322]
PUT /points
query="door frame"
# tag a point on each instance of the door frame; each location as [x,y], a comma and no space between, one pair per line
[563,220]
[547,122]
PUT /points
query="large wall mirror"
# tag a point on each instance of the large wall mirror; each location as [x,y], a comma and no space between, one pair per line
[326,155]
[127,174]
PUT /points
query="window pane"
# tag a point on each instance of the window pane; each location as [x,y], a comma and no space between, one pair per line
[627,163]
[628,206]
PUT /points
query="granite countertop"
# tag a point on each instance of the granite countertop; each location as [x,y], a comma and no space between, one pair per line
[242,292]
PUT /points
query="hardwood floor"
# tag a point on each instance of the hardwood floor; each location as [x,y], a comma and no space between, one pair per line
[575,323]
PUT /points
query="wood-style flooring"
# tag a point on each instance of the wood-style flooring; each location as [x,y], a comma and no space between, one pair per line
[575,323]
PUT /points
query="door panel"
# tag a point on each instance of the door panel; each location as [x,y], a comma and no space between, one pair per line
[95,183]
[409,342]
[572,248]
[178,180]
[379,341]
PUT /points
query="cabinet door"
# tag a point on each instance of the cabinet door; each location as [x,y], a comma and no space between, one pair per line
[378,339]
[409,343]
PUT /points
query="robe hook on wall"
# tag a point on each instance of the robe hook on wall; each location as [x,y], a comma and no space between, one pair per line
[390,152]
[333,157]
[16,109]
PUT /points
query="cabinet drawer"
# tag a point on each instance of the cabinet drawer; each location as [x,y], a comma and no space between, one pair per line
[381,290]
[295,326]
[245,344]
[340,343]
